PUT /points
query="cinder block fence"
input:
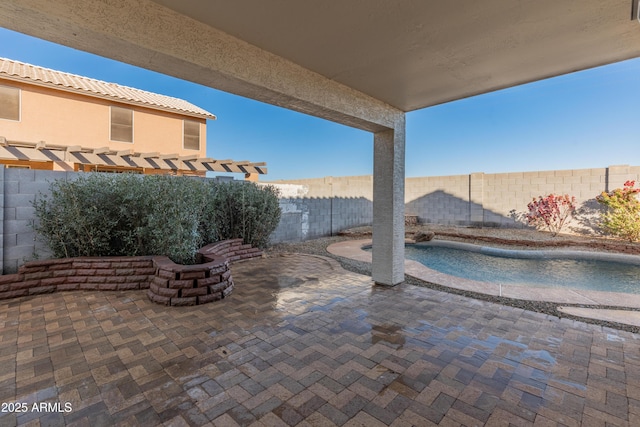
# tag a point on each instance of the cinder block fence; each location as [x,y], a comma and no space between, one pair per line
[477,199]
[324,206]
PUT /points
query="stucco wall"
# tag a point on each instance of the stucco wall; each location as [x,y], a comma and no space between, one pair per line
[64,118]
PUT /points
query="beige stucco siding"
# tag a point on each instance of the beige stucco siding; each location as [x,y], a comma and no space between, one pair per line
[64,118]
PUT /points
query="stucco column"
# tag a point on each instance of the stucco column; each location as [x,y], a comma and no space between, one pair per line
[388,205]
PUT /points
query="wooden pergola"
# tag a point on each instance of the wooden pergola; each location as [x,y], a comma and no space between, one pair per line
[104,158]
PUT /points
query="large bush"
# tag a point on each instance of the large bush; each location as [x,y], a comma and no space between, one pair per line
[87,216]
[245,210]
[107,214]
[622,217]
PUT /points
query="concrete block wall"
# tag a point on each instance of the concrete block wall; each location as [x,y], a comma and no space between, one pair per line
[496,200]
[478,199]
[441,200]
[351,212]
[513,191]
[331,186]
[310,217]
[324,206]
[20,188]
[290,228]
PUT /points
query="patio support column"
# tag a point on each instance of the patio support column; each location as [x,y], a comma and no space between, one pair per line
[388,205]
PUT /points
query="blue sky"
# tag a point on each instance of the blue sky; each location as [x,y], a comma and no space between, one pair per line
[588,119]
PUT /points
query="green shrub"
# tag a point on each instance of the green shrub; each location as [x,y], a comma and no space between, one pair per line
[107,214]
[172,211]
[85,217]
[622,217]
[245,210]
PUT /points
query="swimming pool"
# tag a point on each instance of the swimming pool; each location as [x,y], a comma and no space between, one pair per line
[568,269]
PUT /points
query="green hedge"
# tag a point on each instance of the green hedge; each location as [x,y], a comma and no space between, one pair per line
[124,214]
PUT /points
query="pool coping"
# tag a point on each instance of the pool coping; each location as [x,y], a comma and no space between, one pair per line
[353,249]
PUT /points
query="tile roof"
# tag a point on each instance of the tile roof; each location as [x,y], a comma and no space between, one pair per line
[20,71]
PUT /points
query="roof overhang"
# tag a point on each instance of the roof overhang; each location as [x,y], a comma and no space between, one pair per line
[418,53]
[357,62]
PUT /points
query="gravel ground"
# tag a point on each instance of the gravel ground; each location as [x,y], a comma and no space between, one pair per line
[513,238]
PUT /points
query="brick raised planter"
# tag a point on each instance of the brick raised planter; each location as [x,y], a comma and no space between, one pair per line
[82,273]
[176,284]
[167,283]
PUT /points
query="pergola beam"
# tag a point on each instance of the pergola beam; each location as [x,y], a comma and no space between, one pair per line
[126,158]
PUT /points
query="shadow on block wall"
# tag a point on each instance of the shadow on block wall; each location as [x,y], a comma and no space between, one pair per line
[440,207]
[588,217]
[311,217]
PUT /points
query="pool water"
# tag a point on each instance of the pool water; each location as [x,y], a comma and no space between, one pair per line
[571,273]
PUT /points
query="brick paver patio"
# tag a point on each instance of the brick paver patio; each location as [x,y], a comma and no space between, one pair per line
[303,342]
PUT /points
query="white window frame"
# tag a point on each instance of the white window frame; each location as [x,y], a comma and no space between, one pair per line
[132,124]
[19,104]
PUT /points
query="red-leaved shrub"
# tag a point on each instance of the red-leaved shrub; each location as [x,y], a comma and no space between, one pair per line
[551,212]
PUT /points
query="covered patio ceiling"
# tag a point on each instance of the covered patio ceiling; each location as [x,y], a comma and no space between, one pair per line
[415,54]
[406,54]
[362,63]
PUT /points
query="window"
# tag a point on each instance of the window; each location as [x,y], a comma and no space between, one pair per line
[191,133]
[121,124]
[9,103]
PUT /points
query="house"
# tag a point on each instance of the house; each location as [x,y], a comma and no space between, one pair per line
[59,121]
